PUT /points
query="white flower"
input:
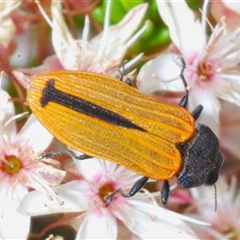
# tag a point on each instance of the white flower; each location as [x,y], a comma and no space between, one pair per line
[6,108]
[225,222]
[103,53]
[85,198]
[7,26]
[52,237]
[227,10]
[20,169]
[230,130]
[212,63]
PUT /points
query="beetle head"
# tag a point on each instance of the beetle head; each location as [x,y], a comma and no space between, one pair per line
[202,160]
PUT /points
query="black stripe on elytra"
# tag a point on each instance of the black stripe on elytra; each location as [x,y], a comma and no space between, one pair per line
[51,94]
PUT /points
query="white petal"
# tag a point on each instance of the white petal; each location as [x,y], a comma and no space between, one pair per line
[72,194]
[227,87]
[94,55]
[66,47]
[211,106]
[154,76]
[208,192]
[6,7]
[6,106]
[186,33]
[98,224]
[12,224]
[7,30]
[230,130]
[22,78]
[7,111]
[89,167]
[117,35]
[232,5]
[124,177]
[206,205]
[45,175]
[148,221]
[7,192]
[92,168]
[35,134]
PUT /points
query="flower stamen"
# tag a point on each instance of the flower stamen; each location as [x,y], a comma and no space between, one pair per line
[14,118]
[51,24]
[138,33]
[2,158]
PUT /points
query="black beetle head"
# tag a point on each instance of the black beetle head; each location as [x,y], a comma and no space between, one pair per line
[202,160]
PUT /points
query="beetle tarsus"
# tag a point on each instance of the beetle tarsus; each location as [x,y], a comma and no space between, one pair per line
[137,186]
[110,197]
[129,81]
[165,192]
[80,157]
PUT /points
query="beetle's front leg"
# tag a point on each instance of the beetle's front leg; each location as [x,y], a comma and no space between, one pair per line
[138,185]
[165,192]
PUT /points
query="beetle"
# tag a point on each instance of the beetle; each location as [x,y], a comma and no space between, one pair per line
[108,119]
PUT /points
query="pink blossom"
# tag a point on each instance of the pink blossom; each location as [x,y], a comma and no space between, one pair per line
[86,198]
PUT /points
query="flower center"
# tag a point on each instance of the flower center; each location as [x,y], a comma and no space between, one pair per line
[104,190]
[13,164]
[205,70]
[234,233]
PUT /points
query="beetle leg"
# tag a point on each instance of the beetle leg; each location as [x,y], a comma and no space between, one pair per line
[197,111]
[129,82]
[61,152]
[137,186]
[80,157]
[52,154]
[165,192]
[121,70]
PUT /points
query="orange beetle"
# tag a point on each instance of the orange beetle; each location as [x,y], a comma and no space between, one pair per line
[108,119]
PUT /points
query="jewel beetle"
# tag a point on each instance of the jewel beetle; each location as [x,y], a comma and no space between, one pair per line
[106,118]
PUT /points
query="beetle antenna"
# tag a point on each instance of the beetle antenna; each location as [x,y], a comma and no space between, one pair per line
[184,99]
[215,188]
[182,73]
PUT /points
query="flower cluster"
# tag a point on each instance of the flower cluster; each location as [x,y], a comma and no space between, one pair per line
[98,37]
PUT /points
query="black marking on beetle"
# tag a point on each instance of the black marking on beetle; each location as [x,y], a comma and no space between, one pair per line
[51,94]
